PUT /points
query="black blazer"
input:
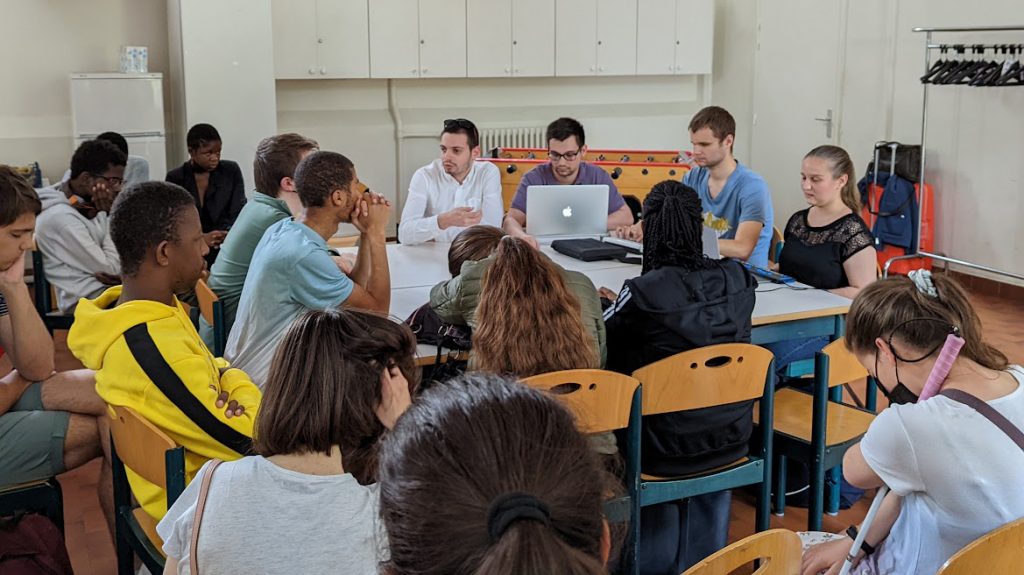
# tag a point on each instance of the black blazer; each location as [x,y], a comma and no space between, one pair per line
[225,195]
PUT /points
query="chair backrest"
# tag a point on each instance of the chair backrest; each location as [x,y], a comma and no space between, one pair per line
[704,377]
[207,298]
[775,249]
[140,445]
[998,551]
[777,550]
[600,400]
[43,290]
[843,366]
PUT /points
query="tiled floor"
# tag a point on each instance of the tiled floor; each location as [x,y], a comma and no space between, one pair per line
[92,552]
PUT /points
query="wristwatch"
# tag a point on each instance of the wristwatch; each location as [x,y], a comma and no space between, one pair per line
[851,532]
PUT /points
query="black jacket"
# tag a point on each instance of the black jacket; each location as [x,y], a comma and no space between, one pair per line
[670,310]
[224,198]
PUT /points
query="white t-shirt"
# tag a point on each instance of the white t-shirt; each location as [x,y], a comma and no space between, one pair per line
[262,518]
[959,475]
[432,192]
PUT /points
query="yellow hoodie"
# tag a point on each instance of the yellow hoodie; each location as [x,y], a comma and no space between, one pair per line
[97,340]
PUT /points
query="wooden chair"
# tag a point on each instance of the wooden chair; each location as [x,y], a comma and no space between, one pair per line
[812,429]
[53,319]
[778,552]
[602,402]
[137,444]
[43,496]
[775,249]
[212,311]
[707,377]
[998,551]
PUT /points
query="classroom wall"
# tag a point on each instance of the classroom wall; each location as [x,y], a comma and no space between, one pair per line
[45,40]
[974,137]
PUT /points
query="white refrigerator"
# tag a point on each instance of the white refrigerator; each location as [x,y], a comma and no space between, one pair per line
[129,104]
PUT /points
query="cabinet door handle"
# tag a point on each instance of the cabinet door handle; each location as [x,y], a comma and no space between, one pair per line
[426,70]
[516,70]
[507,70]
[312,70]
[323,71]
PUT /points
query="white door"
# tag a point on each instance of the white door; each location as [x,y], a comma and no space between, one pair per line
[695,36]
[294,38]
[533,38]
[442,38]
[343,29]
[616,37]
[394,39]
[656,37]
[488,38]
[575,37]
[795,83]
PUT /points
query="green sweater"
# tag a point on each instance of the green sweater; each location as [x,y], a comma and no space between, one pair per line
[456,300]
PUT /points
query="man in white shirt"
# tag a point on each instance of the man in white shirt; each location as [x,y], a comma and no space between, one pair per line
[453,192]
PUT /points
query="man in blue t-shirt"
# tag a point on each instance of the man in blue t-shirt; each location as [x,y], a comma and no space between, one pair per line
[292,270]
[566,150]
[737,202]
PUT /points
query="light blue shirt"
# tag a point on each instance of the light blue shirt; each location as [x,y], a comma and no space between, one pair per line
[291,272]
[744,198]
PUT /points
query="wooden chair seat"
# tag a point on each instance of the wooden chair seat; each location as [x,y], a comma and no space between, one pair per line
[778,552]
[148,525]
[737,463]
[998,551]
[843,423]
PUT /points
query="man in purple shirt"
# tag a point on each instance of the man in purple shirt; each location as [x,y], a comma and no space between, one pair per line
[566,149]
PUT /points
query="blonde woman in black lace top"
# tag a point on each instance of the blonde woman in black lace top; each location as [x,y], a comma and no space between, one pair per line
[827,245]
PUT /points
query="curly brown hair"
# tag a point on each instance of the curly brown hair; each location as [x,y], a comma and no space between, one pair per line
[528,322]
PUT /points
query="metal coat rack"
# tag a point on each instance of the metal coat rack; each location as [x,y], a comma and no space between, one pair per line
[929,48]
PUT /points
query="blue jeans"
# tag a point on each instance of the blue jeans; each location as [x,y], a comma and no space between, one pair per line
[786,352]
[676,535]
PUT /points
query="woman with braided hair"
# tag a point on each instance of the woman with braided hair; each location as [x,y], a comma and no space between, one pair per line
[681,301]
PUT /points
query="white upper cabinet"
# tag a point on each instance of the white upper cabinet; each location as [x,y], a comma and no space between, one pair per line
[320,39]
[488,38]
[595,37]
[675,36]
[343,38]
[695,36]
[533,38]
[394,39]
[417,38]
[510,38]
[575,37]
[616,37]
[294,23]
[442,25]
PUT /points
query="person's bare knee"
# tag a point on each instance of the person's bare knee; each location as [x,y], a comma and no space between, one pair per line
[81,442]
[73,391]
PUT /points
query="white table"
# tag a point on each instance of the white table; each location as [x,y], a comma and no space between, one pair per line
[780,313]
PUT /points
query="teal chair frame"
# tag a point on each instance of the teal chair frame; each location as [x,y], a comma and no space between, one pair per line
[824,459]
[53,320]
[756,470]
[131,538]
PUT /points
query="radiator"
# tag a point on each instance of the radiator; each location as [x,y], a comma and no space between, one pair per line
[492,138]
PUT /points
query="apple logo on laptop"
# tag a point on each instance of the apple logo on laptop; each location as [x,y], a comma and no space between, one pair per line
[567,212]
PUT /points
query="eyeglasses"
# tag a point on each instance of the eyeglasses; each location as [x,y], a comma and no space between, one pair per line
[555,157]
[113,181]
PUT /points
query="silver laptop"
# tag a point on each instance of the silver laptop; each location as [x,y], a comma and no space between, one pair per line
[566,211]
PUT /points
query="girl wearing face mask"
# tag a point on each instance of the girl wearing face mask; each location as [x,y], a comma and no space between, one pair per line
[954,474]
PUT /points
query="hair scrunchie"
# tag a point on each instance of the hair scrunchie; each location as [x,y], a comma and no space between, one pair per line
[923,282]
[511,507]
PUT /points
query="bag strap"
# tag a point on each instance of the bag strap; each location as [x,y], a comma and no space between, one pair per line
[989,412]
[152,362]
[197,520]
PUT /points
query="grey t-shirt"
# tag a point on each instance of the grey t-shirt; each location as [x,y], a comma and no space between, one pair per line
[262,518]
